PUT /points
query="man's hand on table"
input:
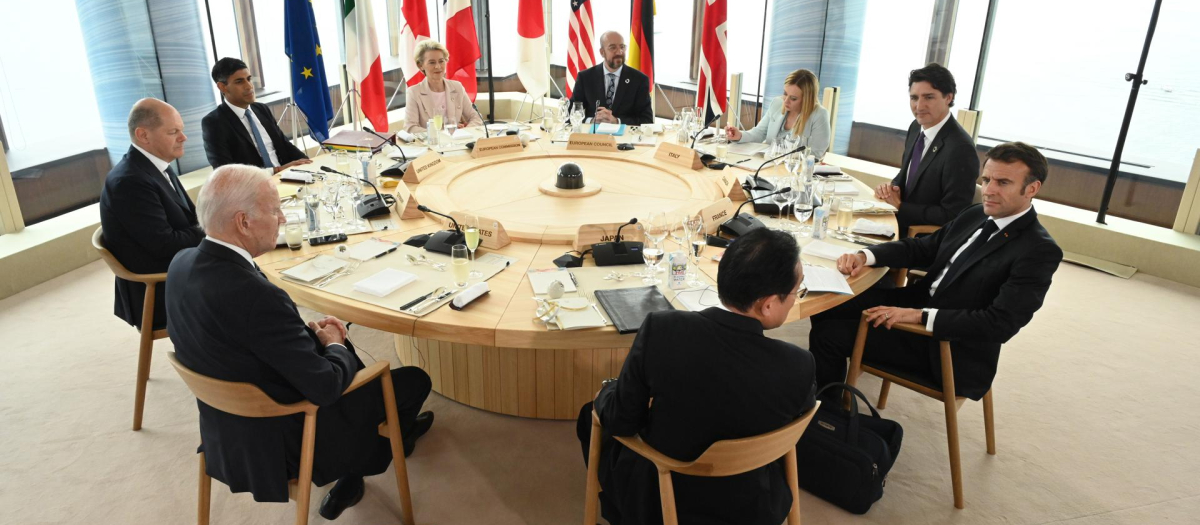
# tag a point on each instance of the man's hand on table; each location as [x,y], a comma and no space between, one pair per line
[890,315]
[330,330]
[293,164]
[889,194]
[852,264]
[605,116]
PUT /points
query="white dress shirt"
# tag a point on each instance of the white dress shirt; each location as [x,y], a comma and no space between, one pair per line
[162,165]
[932,132]
[1000,225]
[241,115]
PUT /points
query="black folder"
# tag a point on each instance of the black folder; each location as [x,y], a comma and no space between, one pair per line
[628,307]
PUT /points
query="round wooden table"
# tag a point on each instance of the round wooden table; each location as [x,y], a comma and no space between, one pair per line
[493,355]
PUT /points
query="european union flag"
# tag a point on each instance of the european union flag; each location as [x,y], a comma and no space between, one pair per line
[303,47]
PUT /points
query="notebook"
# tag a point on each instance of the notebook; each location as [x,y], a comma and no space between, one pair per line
[628,307]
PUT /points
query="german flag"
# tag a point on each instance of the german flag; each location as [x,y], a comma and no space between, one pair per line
[641,38]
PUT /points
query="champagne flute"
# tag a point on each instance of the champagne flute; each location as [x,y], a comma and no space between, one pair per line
[471,233]
[460,264]
[652,254]
[695,229]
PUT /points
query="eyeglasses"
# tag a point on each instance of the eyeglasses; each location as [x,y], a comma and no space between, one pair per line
[800,292]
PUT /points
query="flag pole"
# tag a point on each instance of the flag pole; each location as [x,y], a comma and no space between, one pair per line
[487,22]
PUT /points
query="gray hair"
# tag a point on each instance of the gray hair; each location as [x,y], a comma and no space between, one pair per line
[230,189]
[425,46]
[144,114]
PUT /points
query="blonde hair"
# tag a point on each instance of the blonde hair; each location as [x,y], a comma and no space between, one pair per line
[428,45]
[809,86]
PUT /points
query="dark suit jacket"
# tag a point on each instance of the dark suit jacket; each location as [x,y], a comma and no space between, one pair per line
[991,298]
[631,103]
[228,322]
[945,178]
[145,223]
[226,140]
[713,375]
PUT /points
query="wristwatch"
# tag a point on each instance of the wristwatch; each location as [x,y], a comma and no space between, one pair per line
[924,317]
[607,381]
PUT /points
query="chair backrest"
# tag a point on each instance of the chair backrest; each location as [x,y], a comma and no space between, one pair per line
[242,399]
[119,269]
[978,198]
[969,120]
[830,99]
[731,457]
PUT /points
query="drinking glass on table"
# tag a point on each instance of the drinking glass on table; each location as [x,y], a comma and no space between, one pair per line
[460,264]
[576,116]
[656,231]
[330,199]
[471,234]
[652,254]
[782,198]
[451,127]
[678,231]
[293,231]
[803,207]
[696,242]
[312,207]
[845,214]
[722,145]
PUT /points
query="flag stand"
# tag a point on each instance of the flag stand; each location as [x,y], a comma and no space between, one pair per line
[292,107]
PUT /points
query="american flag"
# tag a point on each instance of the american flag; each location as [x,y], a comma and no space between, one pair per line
[579,54]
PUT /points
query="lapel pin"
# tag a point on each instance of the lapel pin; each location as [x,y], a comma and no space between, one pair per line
[935,148]
[627,81]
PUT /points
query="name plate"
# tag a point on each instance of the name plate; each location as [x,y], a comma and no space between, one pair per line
[406,203]
[681,155]
[589,234]
[491,233]
[593,142]
[497,146]
[421,167]
[716,213]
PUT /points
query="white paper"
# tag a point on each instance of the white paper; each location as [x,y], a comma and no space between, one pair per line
[369,249]
[747,148]
[315,268]
[608,129]
[576,312]
[411,152]
[845,188]
[463,135]
[825,250]
[699,299]
[541,279]
[822,279]
[651,128]
[496,259]
[384,282]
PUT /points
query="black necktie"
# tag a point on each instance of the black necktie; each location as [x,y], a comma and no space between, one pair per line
[178,186]
[989,227]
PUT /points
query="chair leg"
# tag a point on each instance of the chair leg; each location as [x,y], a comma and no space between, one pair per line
[145,345]
[860,341]
[789,463]
[308,444]
[989,423]
[592,492]
[951,424]
[666,492]
[397,442]
[883,393]
[205,494]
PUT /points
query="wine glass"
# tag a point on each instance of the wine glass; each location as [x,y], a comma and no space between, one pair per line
[652,254]
[576,116]
[695,230]
[312,208]
[793,162]
[781,198]
[803,207]
[451,127]
[656,230]
[461,265]
[330,200]
[471,233]
[678,230]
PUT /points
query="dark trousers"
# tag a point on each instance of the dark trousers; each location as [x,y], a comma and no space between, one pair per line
[583,429]
[831,340]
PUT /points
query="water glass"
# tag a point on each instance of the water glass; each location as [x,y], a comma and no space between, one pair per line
[845,214]
[432,138]
[652,254]
[451,127]
[293,231]
[461,264]
[722,145]
[803,208]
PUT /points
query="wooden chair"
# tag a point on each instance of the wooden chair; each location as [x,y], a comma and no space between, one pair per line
[148,333]
[970,121]
[951,401]
[830,98]
[724,458]
[247,400]
[901,275]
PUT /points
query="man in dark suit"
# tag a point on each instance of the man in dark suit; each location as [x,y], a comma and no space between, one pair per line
[940,165]
[610,92]
[228,322]
[989,270]
[242,131]
[146,215]
[713,375]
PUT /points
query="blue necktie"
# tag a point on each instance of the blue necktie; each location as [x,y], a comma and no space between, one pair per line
[262,146]
[914,164]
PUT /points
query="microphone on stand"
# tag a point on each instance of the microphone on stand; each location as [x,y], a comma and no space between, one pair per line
[739,225]
[763,185]
[618,252]
[617,237]
[701,132]
[485,130]
[443,241]
[370,206]
[397,169]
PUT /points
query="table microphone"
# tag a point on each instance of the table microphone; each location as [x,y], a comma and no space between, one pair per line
[701,132]
[486,135]
[739,225]
[442,241]
[763,185]
[371,206]
[618,252]
[397,169]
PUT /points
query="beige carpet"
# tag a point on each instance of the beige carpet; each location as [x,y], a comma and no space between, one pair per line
[1095,409]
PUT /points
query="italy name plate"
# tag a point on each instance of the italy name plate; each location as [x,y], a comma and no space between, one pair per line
[681,155]
[497,146]
[592,142]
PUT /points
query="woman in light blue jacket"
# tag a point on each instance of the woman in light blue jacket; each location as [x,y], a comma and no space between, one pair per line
[797,113]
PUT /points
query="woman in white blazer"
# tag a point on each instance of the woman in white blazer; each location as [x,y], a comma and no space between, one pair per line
[436,95]
[797,113]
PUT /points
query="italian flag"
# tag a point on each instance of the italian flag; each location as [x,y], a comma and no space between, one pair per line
[362,60]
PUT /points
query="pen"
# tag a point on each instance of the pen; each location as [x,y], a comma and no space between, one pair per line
[305,171]
[387,252]
[743,160]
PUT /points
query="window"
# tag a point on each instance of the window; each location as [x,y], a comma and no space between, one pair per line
[895,38]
